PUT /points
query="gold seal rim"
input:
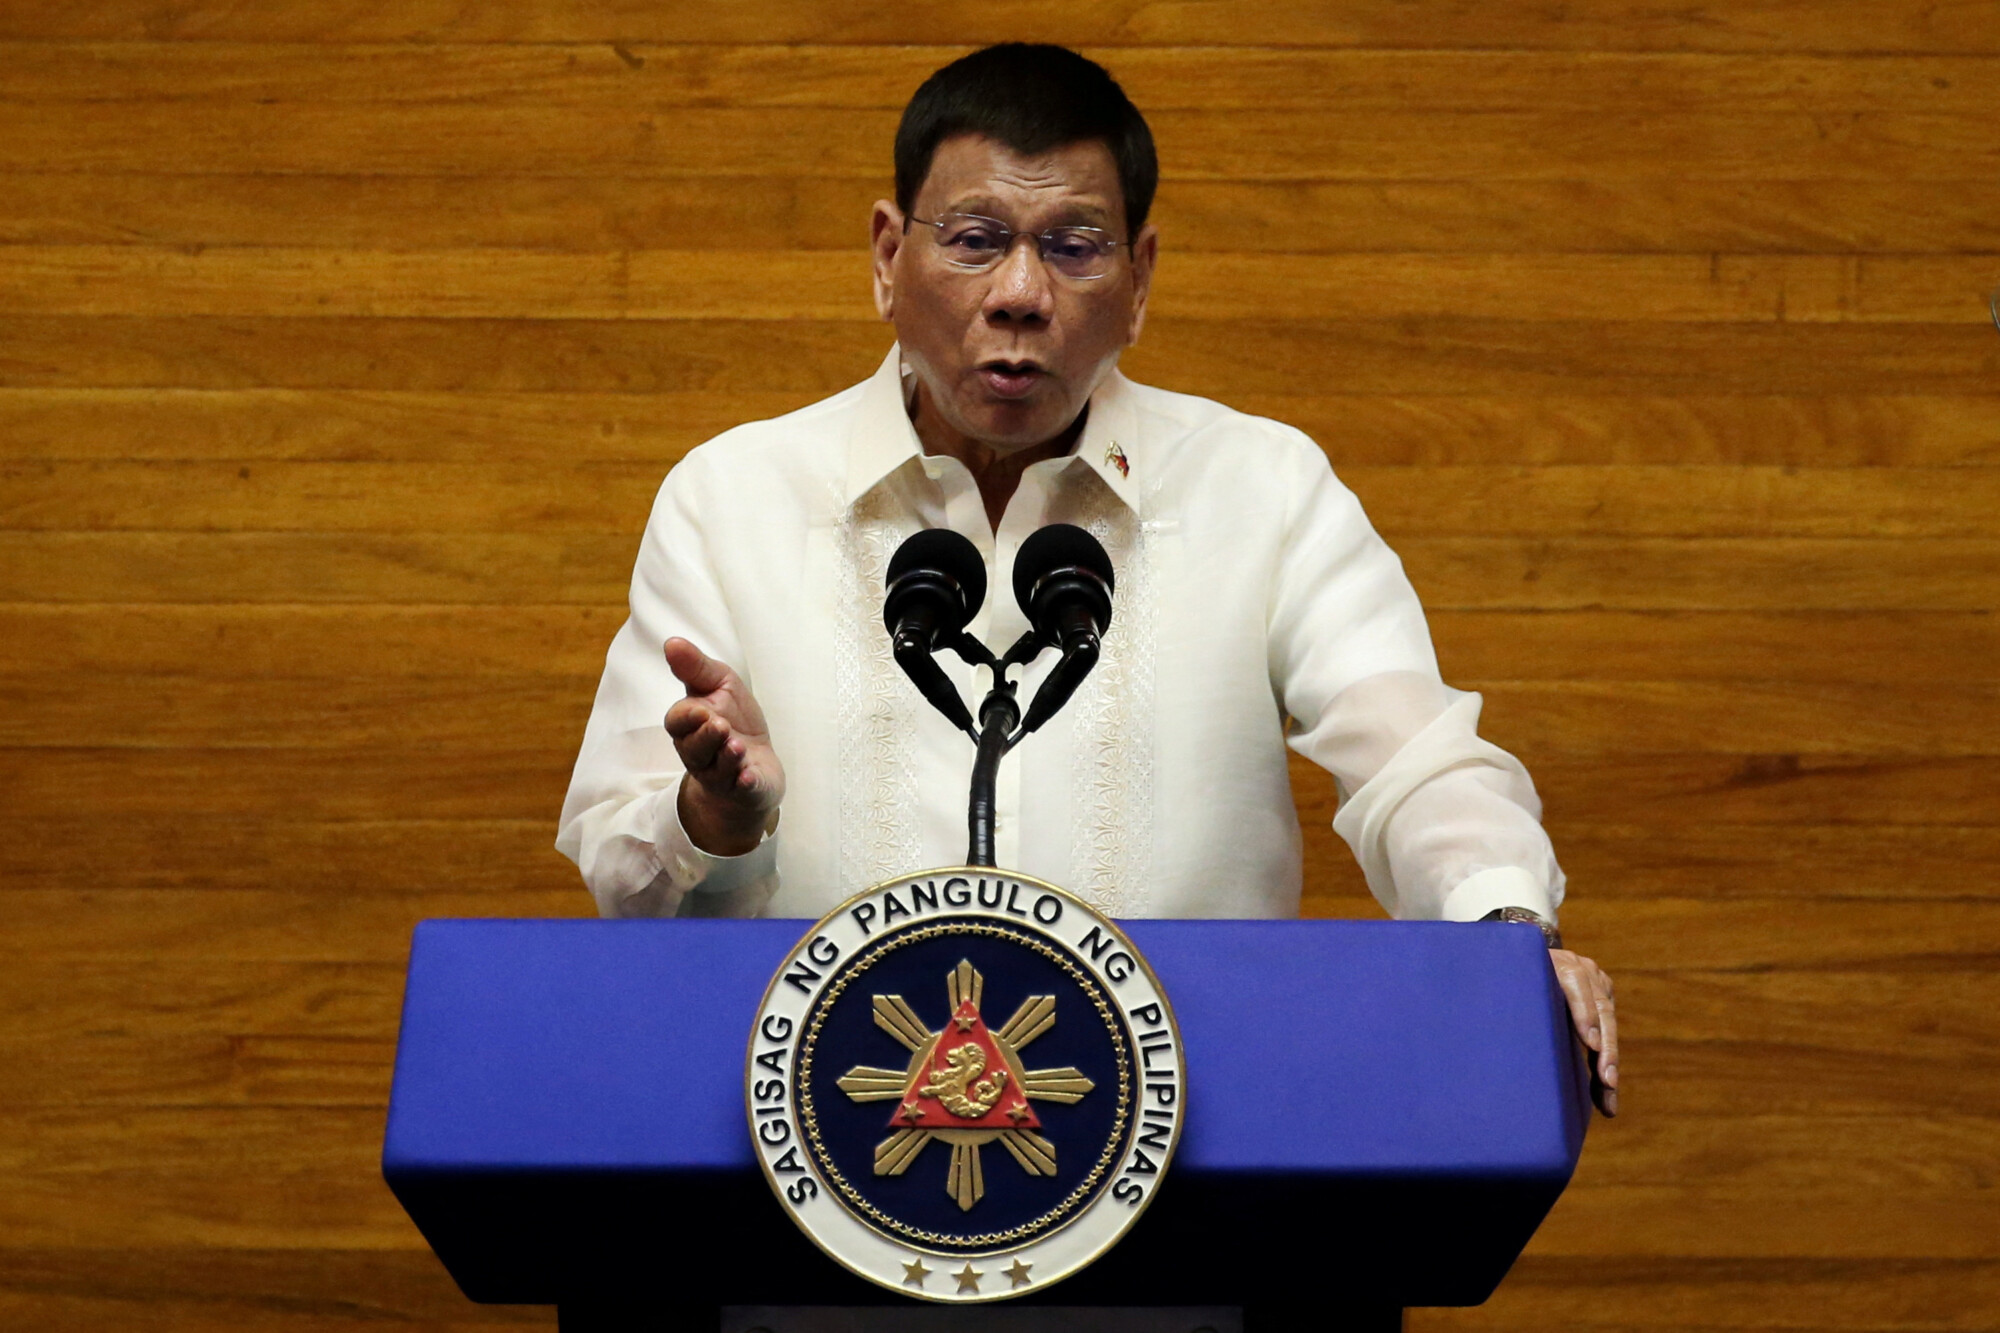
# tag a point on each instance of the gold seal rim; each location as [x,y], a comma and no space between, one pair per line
[1097,1252]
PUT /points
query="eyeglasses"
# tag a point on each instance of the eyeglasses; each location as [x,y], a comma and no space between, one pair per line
[977,243]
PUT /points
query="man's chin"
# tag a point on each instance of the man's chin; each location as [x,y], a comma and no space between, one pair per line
[1014,424]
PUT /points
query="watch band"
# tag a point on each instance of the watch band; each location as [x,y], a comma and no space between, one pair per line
[1521,914]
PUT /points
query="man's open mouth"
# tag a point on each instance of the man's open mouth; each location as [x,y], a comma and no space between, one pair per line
[1011,379]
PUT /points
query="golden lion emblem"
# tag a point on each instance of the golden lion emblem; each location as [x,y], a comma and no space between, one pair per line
[954,1086]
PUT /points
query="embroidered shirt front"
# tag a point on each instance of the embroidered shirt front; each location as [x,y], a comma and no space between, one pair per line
[1255,605]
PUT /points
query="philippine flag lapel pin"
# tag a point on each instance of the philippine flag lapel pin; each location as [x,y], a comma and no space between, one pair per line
[1115,457]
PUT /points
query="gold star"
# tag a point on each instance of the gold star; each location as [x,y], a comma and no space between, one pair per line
[1019,1272]
[914,1273]
[968,1278]
[964,1021]
[1018,1113]
[912,1112]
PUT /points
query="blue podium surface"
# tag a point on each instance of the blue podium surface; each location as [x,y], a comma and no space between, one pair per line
[1377,1112]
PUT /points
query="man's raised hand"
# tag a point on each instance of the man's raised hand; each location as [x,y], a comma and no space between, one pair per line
[734,780]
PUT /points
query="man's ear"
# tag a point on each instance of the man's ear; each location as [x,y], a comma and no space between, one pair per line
[885,237]
[1145,254]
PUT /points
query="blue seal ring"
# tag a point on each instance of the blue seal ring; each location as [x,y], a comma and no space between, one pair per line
[1017,1204]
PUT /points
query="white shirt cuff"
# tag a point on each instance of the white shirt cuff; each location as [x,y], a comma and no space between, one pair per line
[1501,886]
[686,866]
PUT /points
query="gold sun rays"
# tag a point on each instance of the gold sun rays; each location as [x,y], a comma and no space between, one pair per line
[965,1181]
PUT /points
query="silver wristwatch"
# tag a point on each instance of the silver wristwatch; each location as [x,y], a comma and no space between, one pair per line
[1536,919]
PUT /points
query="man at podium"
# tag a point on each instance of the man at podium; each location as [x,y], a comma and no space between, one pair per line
[1256,607]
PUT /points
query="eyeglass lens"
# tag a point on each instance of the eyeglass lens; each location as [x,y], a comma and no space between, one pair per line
[977,243]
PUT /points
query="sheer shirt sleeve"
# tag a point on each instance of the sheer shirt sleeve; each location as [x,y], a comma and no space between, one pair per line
[1445,824]
[620,821]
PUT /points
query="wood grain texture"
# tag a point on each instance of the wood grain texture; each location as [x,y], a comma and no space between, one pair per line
[76,1287]
[448,426]
[289,641]
[1357,430]
[1243,360]
[345,345]
[575,74]
[1849,26]
[475,715]
[1835,863]
[1618,500]
[400,138]
[346,858]
[594,569]
[486,283]
[230,641]
[1670,792]
[584,568]
[394,784]
[1887,649]
[1672,214]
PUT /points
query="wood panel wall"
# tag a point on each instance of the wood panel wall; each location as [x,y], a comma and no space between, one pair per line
[343,344]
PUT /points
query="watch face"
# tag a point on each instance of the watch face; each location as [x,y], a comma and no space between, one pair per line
[965,1085]
[1522,916]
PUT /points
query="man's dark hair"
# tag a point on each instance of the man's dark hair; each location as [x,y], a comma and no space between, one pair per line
[1031,98]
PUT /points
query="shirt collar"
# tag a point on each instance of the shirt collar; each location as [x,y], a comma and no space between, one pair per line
[1110,442]
[883,438]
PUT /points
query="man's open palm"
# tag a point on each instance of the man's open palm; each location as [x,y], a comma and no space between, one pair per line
[734,780]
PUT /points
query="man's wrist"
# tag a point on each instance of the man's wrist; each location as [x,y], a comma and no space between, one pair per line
[714,833]
[1550,934]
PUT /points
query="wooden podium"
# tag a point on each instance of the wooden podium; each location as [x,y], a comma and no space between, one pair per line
[1379,1115]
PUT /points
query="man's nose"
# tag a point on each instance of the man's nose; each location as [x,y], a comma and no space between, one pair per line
[1019,288]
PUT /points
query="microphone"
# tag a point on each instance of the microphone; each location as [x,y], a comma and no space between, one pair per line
[1063,581]
[936,583]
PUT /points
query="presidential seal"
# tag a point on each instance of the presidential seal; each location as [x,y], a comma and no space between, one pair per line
[965,1084]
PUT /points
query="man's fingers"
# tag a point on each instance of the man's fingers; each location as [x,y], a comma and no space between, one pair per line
[696,730]
[1587,987]
[695,669]
[1607,1017]
[700,737]
[1602,1094]
[686,717]
[1604,1059]
[702,751]
[1582,1004]
[725,768]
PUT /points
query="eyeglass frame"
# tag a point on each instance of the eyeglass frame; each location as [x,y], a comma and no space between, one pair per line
[1012,235]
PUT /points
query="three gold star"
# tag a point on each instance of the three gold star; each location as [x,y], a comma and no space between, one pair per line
[915,1271]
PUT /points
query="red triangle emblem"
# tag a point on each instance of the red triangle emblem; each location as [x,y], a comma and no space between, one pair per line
[965,1084]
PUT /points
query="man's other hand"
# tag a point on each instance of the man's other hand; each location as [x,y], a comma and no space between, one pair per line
[734,780]
[1596,1018]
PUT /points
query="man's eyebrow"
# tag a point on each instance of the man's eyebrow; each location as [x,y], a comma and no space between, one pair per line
[1070,215]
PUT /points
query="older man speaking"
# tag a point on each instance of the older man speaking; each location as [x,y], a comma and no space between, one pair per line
[1257,607]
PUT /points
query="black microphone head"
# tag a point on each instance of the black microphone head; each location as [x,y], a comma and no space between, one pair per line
[949,553]
[1054,547]
[1062,559]
[940,571]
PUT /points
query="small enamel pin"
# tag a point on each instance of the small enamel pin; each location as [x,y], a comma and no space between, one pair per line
[1115,457]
